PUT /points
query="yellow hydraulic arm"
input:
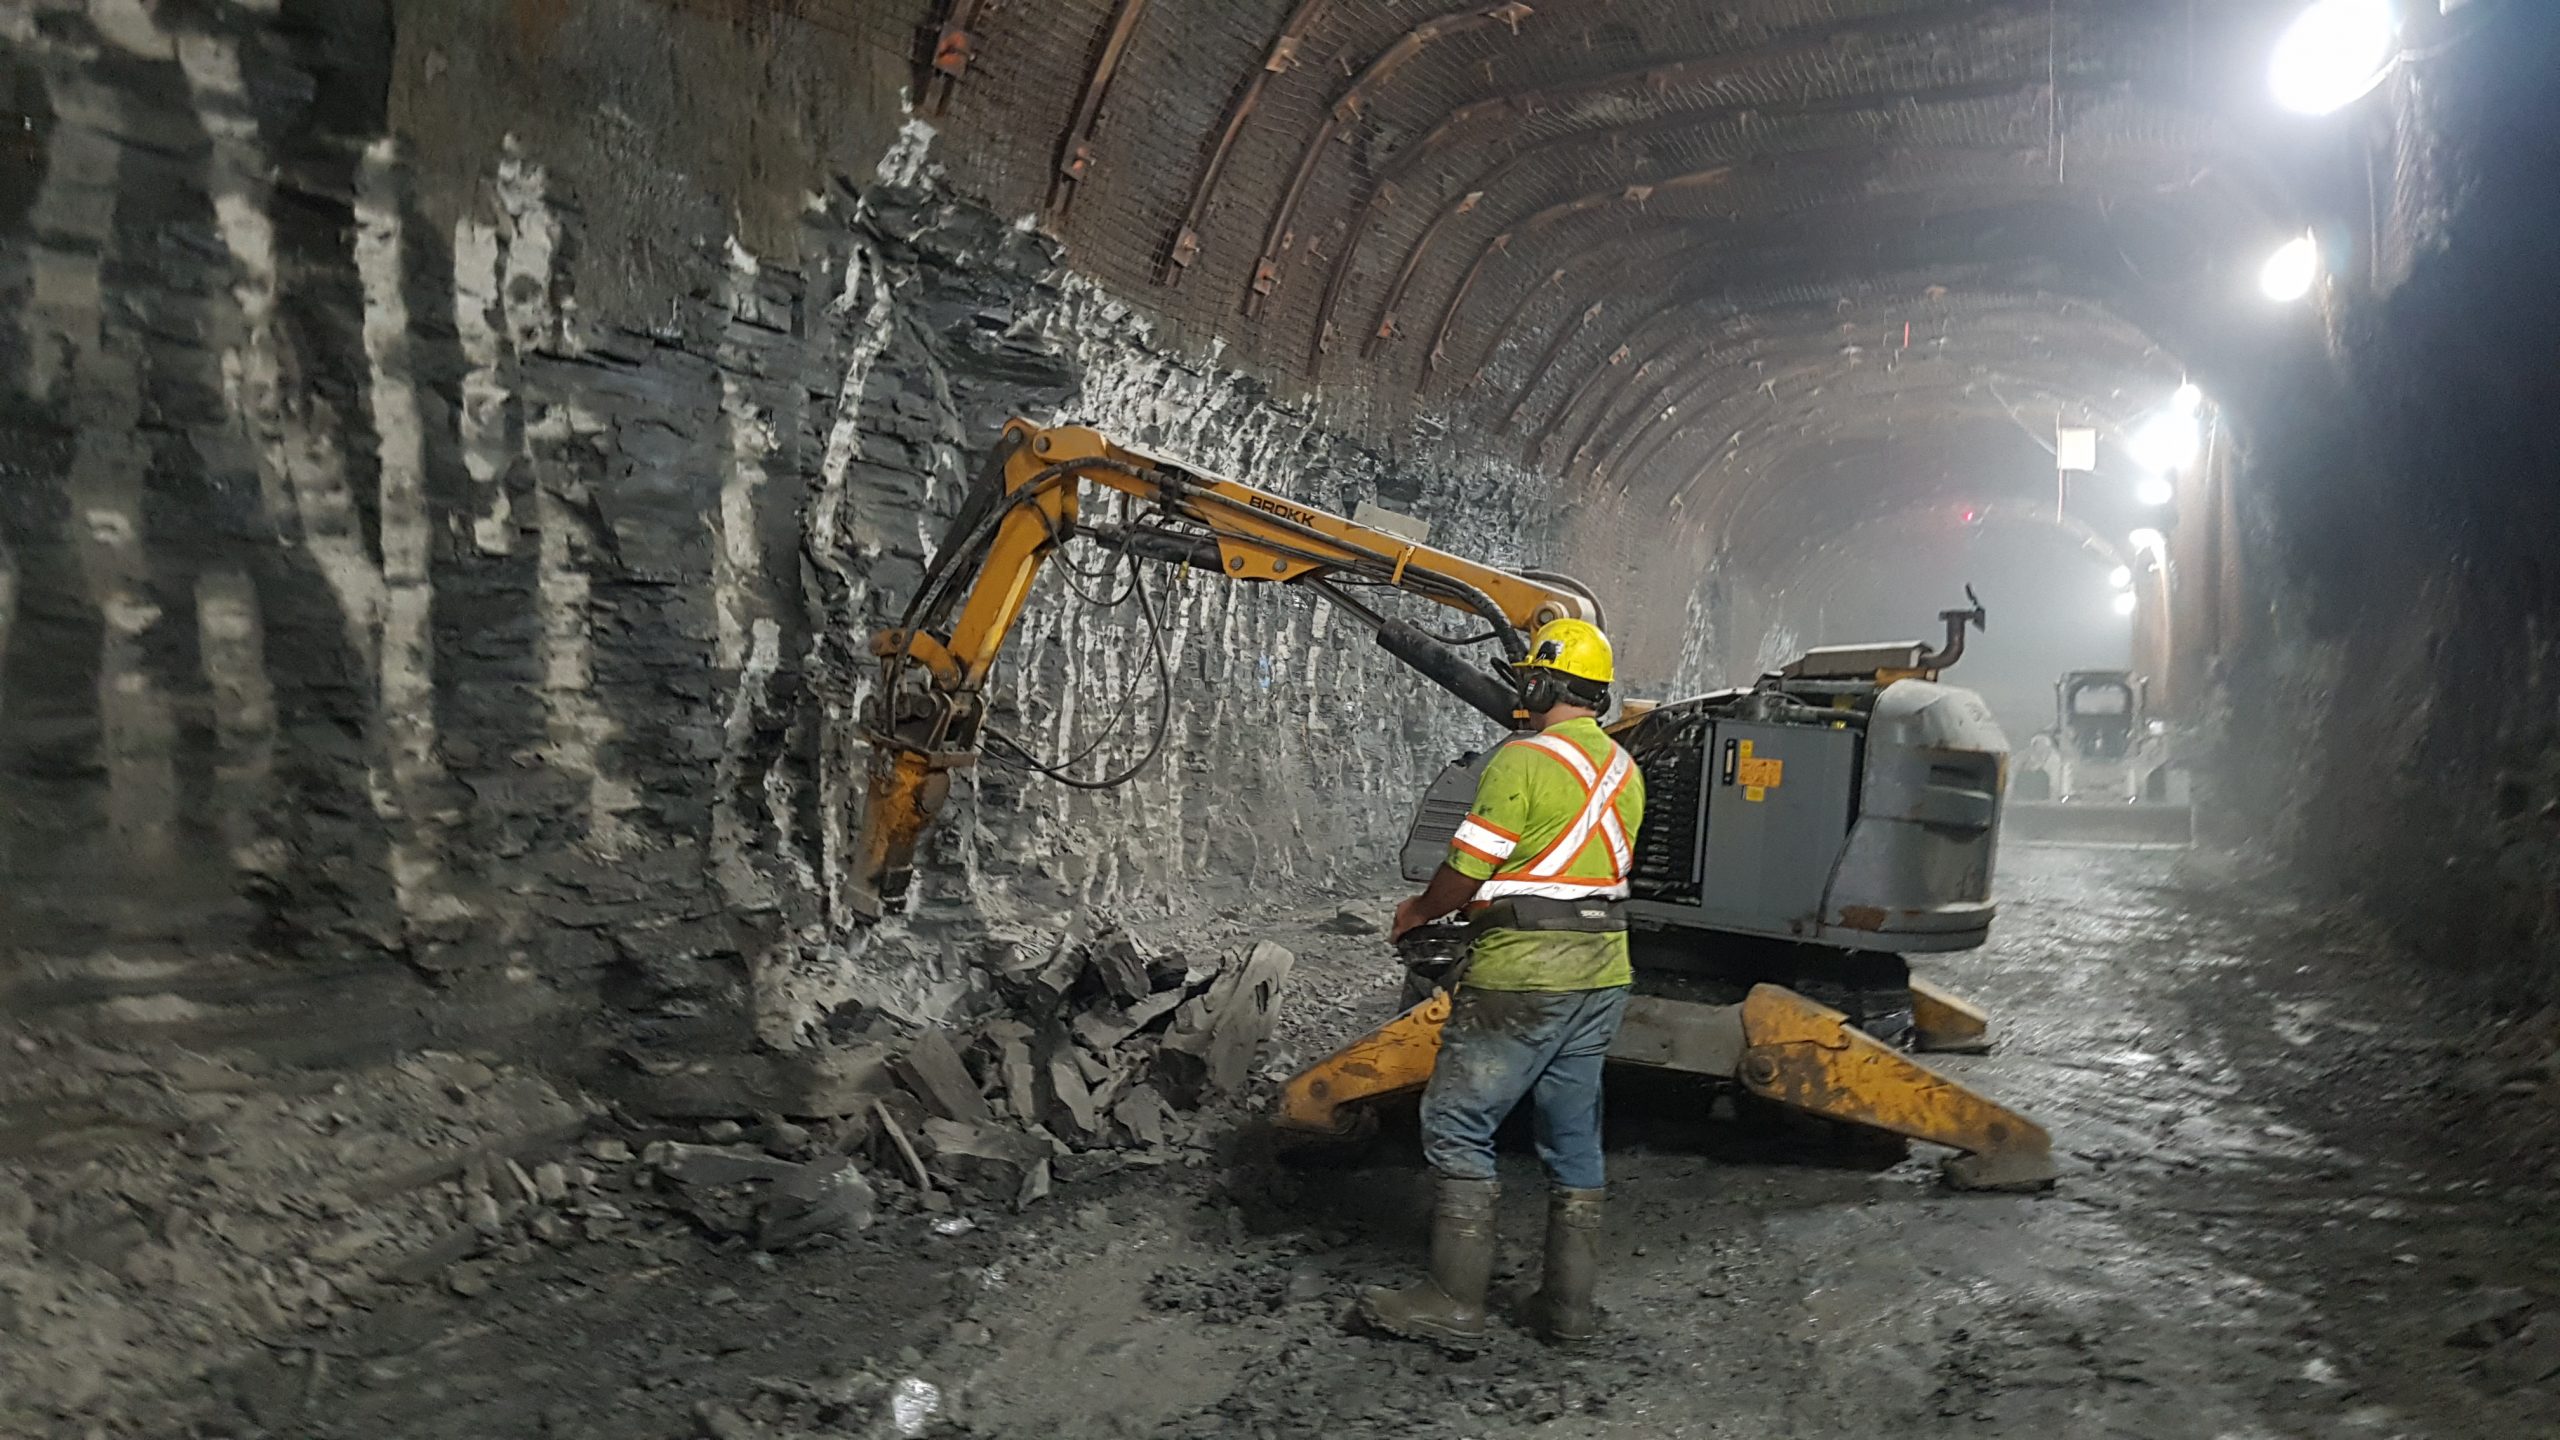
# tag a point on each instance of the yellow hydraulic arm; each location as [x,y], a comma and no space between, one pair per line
[927,718]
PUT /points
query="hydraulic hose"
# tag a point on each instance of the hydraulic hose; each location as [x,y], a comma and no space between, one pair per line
[1448,669]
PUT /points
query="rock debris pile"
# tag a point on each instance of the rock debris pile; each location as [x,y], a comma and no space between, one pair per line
[198,1201]
[1087,1055]
[1091,1047]
[2518,1059]
[2513,1068]
[2514,1338]
[173,1201]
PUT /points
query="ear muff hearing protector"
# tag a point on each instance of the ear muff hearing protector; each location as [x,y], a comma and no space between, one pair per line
[1541,690]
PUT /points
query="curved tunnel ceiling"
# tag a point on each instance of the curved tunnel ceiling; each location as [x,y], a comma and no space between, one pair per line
[1690,254]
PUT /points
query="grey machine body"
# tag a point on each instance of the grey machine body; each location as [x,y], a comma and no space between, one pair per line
[1873,826]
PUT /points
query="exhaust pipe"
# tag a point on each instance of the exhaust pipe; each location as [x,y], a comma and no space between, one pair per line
[1945,656]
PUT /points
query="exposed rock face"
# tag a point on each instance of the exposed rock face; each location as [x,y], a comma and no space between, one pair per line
[452,454]
[2389,720]
[435,580]
[420,554]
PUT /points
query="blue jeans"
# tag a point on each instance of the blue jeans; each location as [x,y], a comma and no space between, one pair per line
[1501,1046]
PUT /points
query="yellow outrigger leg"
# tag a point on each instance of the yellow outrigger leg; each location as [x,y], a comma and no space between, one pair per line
[1394,1058]
[1944,1023]
[1776,1044]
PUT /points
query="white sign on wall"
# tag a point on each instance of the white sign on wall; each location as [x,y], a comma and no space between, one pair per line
[2075,447]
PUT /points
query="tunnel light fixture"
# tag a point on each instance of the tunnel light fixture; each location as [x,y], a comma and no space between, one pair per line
[2189,400]
[2124,602]
[2292,271]
[2167,441]
[2121,577]
[2333,55]
[2154,491]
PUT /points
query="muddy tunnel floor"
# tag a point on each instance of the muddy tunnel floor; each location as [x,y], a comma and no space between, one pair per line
[2281,1215]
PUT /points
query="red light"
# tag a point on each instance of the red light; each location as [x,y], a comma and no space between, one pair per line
[1971,515]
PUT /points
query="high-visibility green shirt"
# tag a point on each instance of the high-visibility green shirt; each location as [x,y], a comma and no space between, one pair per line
[1531,803]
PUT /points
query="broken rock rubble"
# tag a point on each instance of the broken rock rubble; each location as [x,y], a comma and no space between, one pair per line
[1091,1048]
[2517,1344]
[766,1194]
[1091,1045]
[739,1191]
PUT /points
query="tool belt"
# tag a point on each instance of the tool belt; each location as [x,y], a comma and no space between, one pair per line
[1537,913]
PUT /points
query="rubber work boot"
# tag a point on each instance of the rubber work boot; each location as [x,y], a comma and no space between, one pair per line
[1447,1309]
[1562,1309]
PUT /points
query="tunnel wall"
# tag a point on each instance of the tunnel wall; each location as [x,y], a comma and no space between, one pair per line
[455,455]
[2390,712]
[450,482]
[459,450]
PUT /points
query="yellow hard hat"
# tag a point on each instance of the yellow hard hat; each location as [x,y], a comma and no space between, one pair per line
[1575,648]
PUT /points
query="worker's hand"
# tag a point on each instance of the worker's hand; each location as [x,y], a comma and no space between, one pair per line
[1409,916]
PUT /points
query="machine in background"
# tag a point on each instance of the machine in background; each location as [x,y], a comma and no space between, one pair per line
[2104,775]
[1802,835]
[1803,838]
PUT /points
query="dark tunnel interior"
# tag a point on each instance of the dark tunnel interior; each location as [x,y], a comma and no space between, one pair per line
[470,472]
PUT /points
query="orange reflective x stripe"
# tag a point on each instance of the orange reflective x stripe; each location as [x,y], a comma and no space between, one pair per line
[1601,790]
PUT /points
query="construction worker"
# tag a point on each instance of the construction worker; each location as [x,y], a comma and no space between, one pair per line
[1540,863]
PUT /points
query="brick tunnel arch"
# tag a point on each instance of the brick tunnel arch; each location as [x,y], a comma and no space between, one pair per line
[457,458]
[1612,238]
